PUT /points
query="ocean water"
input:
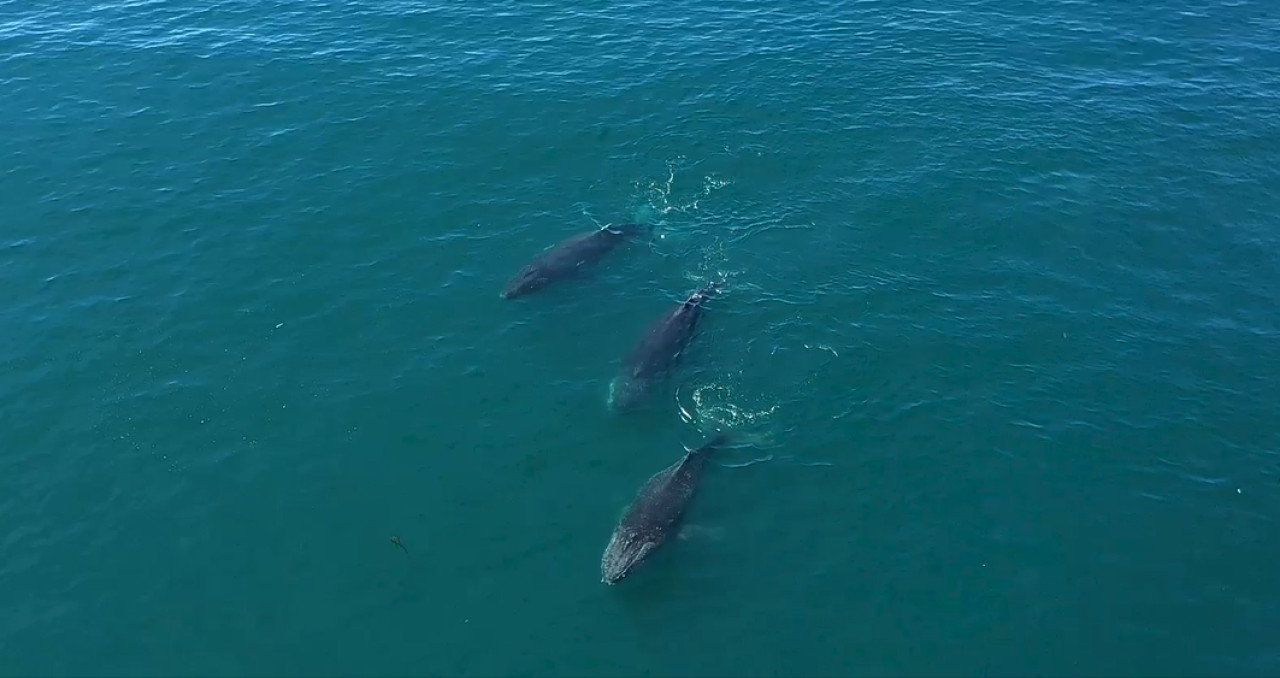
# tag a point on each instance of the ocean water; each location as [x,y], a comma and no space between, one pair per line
[999,324]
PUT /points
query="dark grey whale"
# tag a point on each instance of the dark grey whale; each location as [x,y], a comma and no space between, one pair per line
[656,512]
[657,352]
[567,258]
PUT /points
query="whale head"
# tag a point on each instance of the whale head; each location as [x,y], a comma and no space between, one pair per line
[626,549]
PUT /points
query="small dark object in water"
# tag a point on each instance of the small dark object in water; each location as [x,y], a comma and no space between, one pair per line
[396,541]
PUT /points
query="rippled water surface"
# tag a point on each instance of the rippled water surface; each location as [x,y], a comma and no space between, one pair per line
[998,324]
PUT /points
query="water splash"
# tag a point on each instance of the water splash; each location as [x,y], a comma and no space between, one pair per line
[714,407]
[660,198]
[713,268]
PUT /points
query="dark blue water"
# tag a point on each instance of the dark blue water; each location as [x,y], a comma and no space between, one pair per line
[998,324]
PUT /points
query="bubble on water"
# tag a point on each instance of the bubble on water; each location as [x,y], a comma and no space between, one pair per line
[715,406]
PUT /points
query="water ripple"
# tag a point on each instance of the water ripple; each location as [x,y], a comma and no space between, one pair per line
[1007,270]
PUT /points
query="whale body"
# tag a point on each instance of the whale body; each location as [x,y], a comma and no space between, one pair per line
[567,258]
[656,513]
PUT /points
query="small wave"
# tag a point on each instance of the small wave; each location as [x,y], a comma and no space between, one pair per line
[658,199]
[768,458]
[715,406]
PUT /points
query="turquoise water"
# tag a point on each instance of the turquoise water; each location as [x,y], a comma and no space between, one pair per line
[999,316]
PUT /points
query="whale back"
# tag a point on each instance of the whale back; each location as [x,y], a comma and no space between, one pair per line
[662,499]
[666,339]
[566,258]
[658,508]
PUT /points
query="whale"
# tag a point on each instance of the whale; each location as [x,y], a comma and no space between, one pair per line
[655,514]
[657,352]
[567,258]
